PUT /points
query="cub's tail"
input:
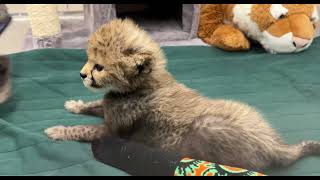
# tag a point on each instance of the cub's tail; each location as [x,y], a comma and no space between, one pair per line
[289,154]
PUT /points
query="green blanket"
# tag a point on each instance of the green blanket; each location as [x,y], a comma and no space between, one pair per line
[285,87]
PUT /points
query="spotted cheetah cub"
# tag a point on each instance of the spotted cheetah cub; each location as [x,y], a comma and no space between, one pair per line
[144,103]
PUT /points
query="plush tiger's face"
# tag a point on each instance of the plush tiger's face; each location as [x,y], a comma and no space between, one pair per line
[279,28]
[120,57]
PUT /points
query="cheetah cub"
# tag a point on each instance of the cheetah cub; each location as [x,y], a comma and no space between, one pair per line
[144,103]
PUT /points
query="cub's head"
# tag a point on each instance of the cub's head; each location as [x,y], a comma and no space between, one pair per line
[121,57]
[284,28]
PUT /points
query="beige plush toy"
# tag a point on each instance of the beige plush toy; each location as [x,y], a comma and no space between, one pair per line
[279,28]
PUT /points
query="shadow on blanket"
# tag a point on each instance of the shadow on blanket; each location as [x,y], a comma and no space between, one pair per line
[139,160]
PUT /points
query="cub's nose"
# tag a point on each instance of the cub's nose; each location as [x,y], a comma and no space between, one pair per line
[299,42]
[83,76]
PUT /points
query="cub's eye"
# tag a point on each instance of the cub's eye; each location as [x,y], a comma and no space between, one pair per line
[98,67]
[282,16]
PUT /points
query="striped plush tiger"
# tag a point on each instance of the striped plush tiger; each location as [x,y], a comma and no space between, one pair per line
[279,28]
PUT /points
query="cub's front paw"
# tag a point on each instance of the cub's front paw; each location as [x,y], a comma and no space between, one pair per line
[56,133]
[74,106]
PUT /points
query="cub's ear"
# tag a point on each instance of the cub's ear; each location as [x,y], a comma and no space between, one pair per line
[142,60]
[144,66]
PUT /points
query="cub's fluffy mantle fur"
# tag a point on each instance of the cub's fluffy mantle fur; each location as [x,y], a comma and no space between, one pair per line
[144,103]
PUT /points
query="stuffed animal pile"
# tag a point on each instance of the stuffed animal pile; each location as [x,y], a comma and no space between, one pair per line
[279,28]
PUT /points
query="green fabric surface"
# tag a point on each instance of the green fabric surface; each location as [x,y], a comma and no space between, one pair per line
[284,87]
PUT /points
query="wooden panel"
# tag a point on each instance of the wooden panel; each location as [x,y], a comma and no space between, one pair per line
[21,8]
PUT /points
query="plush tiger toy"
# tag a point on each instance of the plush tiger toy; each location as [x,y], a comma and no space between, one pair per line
[279,28]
